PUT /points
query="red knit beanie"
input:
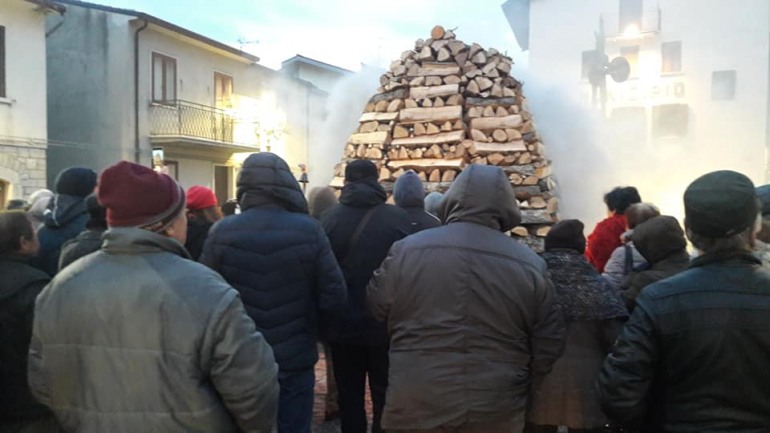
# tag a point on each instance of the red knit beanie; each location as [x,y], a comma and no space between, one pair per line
[200,197]
[137,196]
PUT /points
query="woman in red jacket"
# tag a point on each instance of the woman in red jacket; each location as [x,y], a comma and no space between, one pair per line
[606,236]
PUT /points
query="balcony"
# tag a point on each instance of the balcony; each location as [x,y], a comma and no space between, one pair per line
[188,123]
[628,28]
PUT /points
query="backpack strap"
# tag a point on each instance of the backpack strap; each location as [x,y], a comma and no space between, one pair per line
[356,236]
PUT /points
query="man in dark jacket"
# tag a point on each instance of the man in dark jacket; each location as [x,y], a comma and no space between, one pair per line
[139,338]
[67,216]
[202,213]
[661,242]
[693,356]
[409,195]
[19,286]
[279,259]
[471,315]
[90,239]
[361,229]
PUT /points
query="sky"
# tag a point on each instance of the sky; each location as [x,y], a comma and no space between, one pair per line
[344,33]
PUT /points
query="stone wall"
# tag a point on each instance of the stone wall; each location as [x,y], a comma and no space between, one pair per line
[23,167]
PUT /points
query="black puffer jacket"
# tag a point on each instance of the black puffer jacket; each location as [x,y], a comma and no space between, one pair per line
[409,195]
[355,325]
[279,259]
[694,355]
[661,242]
[85,243]
[19,286]
[197,232]
[471,313]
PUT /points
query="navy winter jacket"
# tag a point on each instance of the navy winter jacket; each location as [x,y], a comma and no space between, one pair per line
[64,222]
[279,259]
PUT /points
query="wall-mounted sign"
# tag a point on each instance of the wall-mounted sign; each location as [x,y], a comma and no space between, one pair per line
[644,92]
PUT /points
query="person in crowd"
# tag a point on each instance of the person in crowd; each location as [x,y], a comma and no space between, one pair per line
[67,216]
[763,237]
[594,315]
[19,286]
[433,203]
[280,260]
[38,205]
[230,207]
[90,239]
[662,243]
[202,213]
[626,258]
[471,328]
[606,236]
[361,228]
[16,204]
[694,354]
[409,195]
[136,337]
[320,199]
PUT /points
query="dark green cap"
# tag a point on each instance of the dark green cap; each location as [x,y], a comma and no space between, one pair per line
[720,204]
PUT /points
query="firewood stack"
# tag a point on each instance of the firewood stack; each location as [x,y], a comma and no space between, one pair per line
[447,104]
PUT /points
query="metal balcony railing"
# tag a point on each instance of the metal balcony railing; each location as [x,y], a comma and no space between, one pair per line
[188,119]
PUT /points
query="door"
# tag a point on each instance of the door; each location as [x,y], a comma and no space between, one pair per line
[223,102]
[222,181]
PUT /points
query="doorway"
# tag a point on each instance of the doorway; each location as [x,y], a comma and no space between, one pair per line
[222,182]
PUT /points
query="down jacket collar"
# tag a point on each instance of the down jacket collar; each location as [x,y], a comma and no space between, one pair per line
[483,195]
[266,180]
[133,240]
[659,238]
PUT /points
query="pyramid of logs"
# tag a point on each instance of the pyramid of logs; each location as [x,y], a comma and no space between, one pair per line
[447,104]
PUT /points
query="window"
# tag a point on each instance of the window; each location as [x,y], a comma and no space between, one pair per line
[589,60]
[671,57]
[630,14]
[632,55]
[670,120]
[223,90]
[163,79]
[2,62]
[723,85]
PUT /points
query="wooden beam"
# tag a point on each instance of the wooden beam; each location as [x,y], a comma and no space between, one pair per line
[379,137]
[427,163]
[442,114]
[388,96]
[483,148]
[426,140]
[511,121]
[491,101]
[380,117]
[432,92]
[536,216]
[439,69]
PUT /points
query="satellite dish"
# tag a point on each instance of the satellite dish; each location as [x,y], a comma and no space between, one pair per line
[619,69]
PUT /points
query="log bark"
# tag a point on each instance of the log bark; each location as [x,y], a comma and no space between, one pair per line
[389,96]
[438,69]
[483,102]
[535,216]
[511,121]
[482,147]
[444,137]
[380,117]
[411,115]
[426,163]
[434,91]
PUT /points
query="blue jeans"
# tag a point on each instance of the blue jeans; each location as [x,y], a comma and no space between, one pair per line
[295,404]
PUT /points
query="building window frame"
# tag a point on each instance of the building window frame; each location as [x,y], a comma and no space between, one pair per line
[3,88]
[671,57]
[222,102]
[166,96]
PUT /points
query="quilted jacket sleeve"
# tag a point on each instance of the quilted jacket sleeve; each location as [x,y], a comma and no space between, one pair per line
[243,369]
[627,374]
[547,339]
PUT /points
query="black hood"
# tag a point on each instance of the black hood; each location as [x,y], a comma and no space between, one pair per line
[659,238]
[483,195]
[265,179]
[365,193]
[63,210]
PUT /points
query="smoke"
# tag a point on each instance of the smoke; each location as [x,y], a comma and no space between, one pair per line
[592,155]
[344,106]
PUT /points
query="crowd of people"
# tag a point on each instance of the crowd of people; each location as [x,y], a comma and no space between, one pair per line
[130,305]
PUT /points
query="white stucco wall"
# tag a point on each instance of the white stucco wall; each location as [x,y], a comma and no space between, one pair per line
[22,112]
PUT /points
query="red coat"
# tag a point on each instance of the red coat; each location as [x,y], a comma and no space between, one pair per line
[604,239]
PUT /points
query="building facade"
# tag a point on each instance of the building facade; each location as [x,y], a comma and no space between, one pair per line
[698,85]
[23,131]
[124,85]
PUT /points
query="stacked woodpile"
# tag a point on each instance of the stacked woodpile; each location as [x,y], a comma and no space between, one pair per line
[446,104]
